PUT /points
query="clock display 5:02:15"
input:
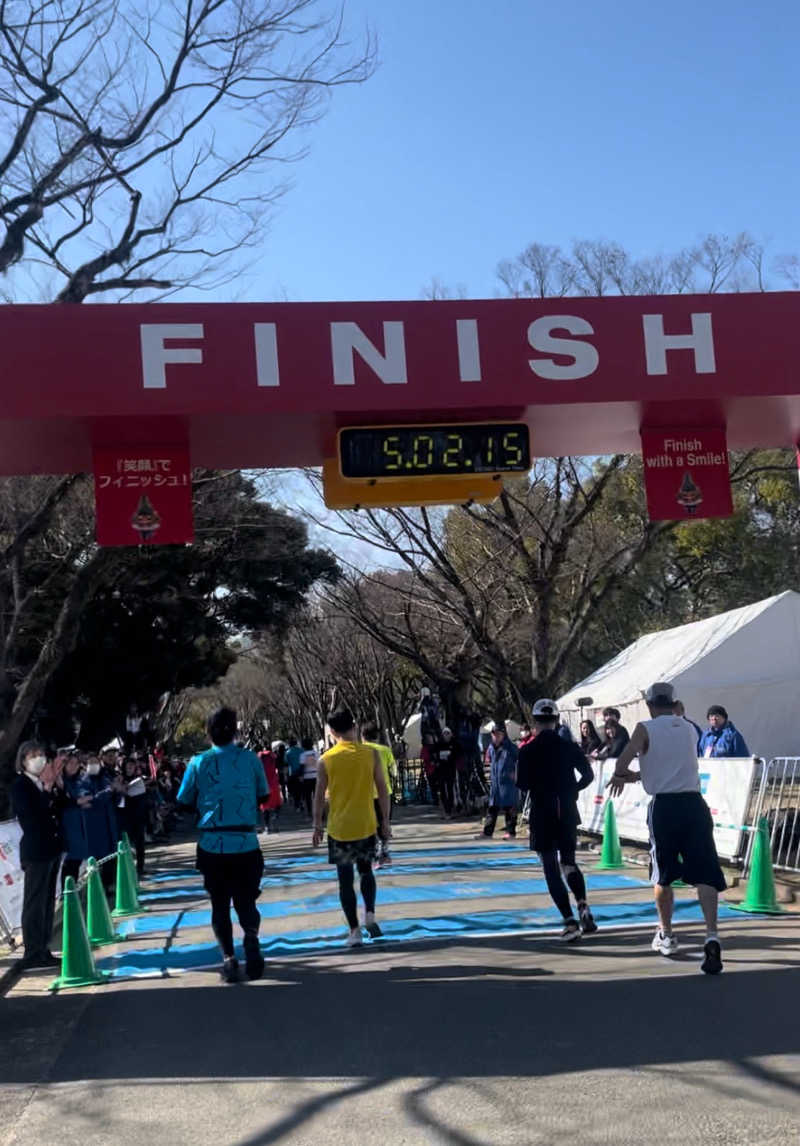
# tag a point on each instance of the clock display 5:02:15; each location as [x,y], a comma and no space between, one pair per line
[409,451]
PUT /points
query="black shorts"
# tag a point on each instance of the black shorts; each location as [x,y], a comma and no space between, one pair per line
[231,873]
[554,835]
[682,841]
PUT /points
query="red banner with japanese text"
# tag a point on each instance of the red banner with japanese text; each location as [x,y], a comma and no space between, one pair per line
[686,474]
[143,496]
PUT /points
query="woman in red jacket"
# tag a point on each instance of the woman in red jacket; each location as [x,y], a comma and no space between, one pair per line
[271,807]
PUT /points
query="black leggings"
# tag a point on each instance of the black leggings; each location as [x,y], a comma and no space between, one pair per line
[309,787]
[555,883]
[233,876]
[347,891]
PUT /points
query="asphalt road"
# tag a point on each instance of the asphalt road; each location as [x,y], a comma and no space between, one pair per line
[461,1041]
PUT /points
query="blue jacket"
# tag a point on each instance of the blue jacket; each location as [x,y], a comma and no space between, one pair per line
[503,774]
[725,741]
[90,831]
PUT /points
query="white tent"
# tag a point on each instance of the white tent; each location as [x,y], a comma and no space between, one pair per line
[412,734]
[747,660]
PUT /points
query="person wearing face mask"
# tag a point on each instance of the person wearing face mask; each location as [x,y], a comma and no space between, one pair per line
[34,805]
[75,796]
[90,819]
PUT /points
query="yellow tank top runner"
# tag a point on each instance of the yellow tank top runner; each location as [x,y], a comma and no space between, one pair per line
[350,767]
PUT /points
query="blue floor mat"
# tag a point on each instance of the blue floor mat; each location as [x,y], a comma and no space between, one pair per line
[157,960]
[329,901]
[402,853]
[325,874]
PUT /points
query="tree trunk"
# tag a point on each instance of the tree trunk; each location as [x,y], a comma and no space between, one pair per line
[58,645]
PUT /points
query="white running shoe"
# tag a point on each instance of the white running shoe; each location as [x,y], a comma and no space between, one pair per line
[371,927]
[666,945]
[571,932]
[355,938]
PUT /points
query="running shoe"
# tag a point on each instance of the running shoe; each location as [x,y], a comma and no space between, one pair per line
[666,945]
[354,938]
[254,968]
[371,927]
[230,970]
[254,960]
[712,964]
[571,931]
[588,925]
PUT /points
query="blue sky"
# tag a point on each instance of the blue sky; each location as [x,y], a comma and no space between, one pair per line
[489,126]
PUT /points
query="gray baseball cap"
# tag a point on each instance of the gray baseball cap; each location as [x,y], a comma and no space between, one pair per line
[660,691]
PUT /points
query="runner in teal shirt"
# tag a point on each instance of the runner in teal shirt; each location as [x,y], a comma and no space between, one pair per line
[225,785]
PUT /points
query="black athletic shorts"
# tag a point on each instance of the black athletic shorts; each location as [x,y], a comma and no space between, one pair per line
[682,841]
[549,834]
[231,873]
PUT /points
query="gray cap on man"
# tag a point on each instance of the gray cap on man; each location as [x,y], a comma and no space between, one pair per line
[660,691]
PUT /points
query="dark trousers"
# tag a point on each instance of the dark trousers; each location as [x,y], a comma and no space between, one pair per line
[134,817]
[555,882]
[38,905]
[296,792]
[446,783]
[491,820]
[70,867]
[233,876]
[308,788]
[108,873]
[347,891]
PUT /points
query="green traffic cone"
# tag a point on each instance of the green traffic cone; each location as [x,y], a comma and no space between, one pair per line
[760,898]
[129,859]
[77,961]
[127,898]
[611,852]
[98,918]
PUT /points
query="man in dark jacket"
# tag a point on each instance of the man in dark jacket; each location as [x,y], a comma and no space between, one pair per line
[546,768]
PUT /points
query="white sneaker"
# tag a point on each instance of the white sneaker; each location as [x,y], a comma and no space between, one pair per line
[371,927]
[355,938]
[666,945]
[571,932]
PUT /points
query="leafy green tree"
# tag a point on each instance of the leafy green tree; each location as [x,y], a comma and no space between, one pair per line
[153,621]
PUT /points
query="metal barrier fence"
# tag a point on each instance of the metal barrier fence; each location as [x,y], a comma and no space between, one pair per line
[413,786]
[776,796]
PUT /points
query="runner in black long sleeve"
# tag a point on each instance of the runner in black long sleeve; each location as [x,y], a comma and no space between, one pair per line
[546,768]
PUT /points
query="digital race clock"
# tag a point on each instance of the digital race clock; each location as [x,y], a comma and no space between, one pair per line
[420,451]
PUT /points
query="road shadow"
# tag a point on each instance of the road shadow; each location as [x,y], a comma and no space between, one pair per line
[472,1012]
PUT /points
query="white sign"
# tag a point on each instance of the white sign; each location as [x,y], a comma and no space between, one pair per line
[725,783]
[11,877]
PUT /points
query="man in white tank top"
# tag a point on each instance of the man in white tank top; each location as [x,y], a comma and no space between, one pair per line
[681,829]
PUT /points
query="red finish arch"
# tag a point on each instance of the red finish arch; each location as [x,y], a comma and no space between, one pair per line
[269,384]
